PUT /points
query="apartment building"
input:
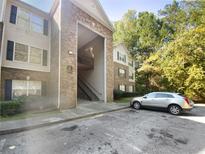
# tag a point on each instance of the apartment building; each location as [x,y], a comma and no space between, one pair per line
[124,69]
[53,58]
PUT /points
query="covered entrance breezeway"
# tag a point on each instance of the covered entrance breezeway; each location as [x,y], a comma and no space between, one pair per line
[91,65]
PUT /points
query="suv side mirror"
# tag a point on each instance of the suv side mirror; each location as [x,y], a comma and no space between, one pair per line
[144,97]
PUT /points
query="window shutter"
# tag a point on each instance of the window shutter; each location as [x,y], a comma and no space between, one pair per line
[13,14]
[45,58]
[8,90]
[1,32]
[43,88]
[45,27]
[10,50]
[118,55]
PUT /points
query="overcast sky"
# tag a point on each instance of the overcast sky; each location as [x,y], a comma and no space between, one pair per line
[114,8]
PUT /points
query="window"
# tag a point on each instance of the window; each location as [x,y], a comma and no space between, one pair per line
[36,55]
[121,57]
[131,75]
[34,88]
[26,88]
[164,96]
[31,22]
[122,73]
[122,87]
[151,95]
[37,24]
[19,88]
[131,63]
[23,19]
[21,52]
[32,55]
[131,89]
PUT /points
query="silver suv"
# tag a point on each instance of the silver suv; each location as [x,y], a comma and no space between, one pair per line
[175,103]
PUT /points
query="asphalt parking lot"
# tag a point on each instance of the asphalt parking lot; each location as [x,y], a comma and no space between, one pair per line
[127,131]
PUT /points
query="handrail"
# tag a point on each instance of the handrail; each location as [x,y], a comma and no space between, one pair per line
[89,86]
[84,92]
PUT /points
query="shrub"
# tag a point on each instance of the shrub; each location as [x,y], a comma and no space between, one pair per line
[130,94]
[120,94]
[8,108]
[117,94]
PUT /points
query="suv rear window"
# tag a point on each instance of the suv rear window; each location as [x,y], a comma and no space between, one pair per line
[180,94]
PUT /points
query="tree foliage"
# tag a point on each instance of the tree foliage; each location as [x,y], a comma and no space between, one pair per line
[141,33]
[170,47]
[125,30]
[181,63]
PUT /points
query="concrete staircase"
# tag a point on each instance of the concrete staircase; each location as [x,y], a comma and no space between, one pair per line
[84,92]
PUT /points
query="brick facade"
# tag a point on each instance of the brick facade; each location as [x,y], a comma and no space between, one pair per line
[17,74]
[63,63]
[121,80]
[68,87]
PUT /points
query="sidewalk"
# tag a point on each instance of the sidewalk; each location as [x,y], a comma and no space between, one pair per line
[83,110]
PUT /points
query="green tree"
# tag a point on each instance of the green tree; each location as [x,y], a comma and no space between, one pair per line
[174,16]
[148,29]
[125,29]
[141,33]
[183,15]
[181,63]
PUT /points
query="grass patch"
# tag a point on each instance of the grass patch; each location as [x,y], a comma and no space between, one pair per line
[124,100]
[27,115]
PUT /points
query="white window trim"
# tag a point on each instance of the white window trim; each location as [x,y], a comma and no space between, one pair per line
[27,87]
[41,64]
[122,89]
[131,88]
[29,54]
[30,17]
[30,22]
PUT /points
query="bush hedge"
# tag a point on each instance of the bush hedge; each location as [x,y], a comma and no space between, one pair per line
[8,108]
[120,94]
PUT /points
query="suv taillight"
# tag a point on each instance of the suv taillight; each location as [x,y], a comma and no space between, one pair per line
[186,100]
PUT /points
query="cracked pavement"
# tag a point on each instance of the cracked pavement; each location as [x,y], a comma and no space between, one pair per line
[127,131]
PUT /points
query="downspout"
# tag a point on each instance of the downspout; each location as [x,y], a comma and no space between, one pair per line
[59,58]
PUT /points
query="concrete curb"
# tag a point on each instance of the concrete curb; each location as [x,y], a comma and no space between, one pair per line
[27,128]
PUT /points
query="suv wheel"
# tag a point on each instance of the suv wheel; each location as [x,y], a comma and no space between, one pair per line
[136,105]
[175,109]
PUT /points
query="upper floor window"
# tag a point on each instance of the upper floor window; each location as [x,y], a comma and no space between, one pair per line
[36,24]
[28,54]
[28,21]
[121,57]
[36,55]
[23,19]
[21,52]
